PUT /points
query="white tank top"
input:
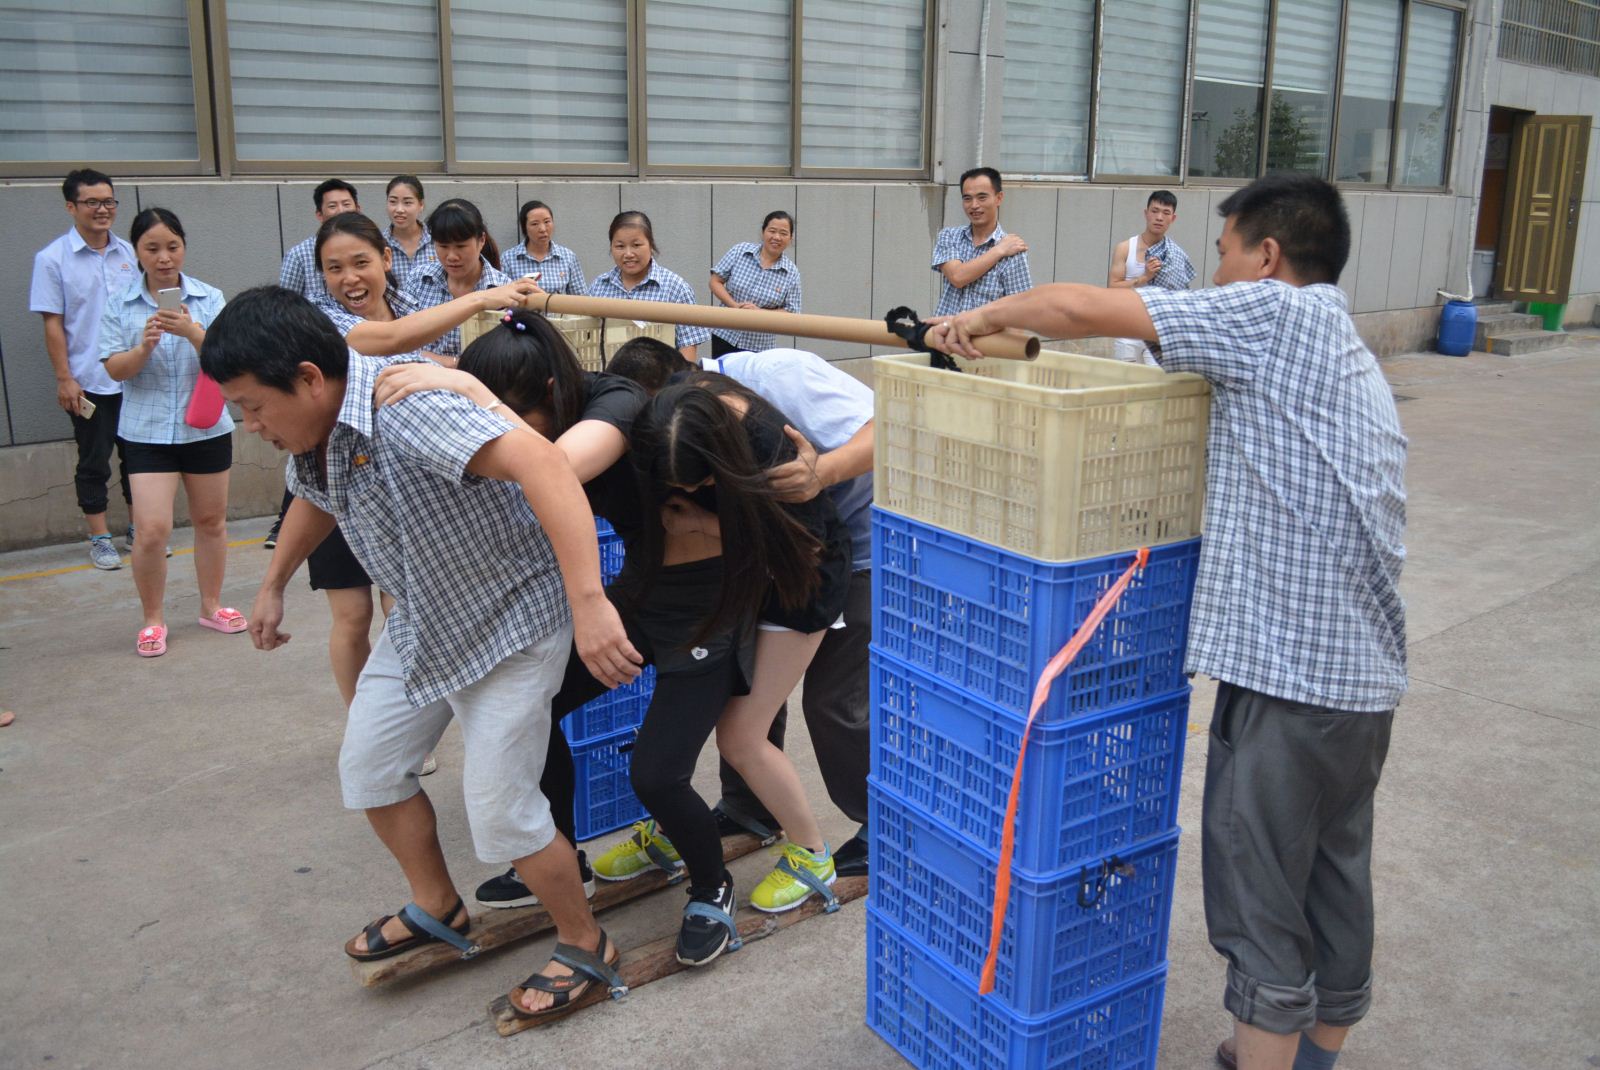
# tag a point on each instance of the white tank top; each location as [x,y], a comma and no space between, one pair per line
[1135,264]
[1133,350]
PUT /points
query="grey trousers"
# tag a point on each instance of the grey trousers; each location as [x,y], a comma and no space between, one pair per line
[1286,857]
[835,700]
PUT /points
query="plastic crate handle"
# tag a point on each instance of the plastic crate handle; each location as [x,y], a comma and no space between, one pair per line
[1091,892]
[1041,693]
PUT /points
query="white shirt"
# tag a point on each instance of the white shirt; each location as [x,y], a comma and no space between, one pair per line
[73,280]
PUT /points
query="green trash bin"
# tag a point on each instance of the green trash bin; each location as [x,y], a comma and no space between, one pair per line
[1552,314]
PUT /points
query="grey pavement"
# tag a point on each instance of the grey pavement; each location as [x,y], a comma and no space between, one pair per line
[177,876]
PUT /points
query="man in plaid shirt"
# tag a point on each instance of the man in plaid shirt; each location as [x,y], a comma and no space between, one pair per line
[1297,611]
[979,262]
[1150,258]
[483,535]
[301,272]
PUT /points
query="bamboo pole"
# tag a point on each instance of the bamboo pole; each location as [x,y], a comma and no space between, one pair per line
[1011,345]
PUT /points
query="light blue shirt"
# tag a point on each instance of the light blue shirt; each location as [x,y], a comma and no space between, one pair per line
[154,401]
[824,404]
[559,273]
[72,280]
[302,274]
[746,279]
[1009,276]
[402,263]
[428,287]
[660,285]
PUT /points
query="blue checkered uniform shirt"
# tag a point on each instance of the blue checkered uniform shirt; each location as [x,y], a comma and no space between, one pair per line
[155,400]
[427,287]
[659,285]
[1009,276]
[301,274]
[1298,590]
[1177,270]
[775,287]
[399,302]
[402,263]
[559,273]
[473,574]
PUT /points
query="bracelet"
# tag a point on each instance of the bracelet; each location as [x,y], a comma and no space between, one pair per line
[498,404]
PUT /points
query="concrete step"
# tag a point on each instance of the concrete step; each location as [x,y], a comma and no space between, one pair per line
[1494,308]
[1503,323]
[1517,343]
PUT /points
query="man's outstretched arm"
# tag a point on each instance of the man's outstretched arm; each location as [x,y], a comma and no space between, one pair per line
[1055,310]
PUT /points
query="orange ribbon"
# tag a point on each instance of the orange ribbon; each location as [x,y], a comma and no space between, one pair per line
[1041,693]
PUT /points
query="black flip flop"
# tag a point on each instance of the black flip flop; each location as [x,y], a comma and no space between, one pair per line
[425,929]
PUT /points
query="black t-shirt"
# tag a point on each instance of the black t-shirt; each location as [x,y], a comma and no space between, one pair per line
[614,493]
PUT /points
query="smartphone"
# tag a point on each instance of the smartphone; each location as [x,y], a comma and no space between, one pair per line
[85,407]
[169,300]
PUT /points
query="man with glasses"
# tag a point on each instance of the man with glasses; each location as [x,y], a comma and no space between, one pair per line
[72,277]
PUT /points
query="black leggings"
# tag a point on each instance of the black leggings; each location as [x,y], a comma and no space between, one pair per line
[689,698]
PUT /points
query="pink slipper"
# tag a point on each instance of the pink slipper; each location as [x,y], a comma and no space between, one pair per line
[225,620]
[155,637]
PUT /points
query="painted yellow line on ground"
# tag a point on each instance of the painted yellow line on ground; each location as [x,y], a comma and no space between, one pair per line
[46,573]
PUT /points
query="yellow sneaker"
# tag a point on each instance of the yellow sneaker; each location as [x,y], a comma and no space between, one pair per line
[636,854]
[797,876]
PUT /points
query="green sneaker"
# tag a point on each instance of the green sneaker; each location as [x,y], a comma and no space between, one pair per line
[796,877]
[636,854]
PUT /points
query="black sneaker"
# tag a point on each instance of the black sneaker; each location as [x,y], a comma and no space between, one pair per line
[271,541]
[766,831]
[850,860]
[703,938]
[507,890]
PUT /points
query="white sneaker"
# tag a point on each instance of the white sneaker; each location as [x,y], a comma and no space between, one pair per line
[429,765]
[102,554]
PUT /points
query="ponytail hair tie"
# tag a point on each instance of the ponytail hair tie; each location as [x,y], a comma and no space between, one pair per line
[510,321]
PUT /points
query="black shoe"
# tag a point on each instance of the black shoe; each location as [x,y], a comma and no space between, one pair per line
[507,890]
[850,860]
[271,541]
[703,938]
[766,830]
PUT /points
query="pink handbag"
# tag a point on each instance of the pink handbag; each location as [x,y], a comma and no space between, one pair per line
[205,404]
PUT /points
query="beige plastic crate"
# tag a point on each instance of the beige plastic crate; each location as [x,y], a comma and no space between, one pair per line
[1060,458]
[581,332]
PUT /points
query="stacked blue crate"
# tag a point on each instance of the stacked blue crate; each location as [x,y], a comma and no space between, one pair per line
[962,632]
[601,732]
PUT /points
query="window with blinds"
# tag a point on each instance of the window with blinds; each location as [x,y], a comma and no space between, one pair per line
[1230,62]
[97,81]
[1142,52]
[1305,58]
[1366,104]
[861,84]
[1046,88]
[1426,97]
[336,80]
[540,81]
[717,82]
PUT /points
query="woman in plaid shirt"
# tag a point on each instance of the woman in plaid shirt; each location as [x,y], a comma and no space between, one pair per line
[468,260]
[638,277]
[756,275]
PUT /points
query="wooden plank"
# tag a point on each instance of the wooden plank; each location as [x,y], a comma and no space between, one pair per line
[492,928]
[659,958]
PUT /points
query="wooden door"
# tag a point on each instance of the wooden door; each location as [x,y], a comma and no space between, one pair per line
[1548,154]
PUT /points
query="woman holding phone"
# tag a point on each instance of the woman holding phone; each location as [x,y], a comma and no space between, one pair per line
[756,275]
[536,253]
[150,338]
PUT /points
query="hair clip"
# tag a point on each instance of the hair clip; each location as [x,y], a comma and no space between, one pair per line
[509,321]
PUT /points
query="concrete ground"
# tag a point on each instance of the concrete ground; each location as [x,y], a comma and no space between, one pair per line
[176,874]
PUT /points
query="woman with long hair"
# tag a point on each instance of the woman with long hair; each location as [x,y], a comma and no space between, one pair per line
[537,253]
[756,275]
[150,337]
[468,262]
[637,276]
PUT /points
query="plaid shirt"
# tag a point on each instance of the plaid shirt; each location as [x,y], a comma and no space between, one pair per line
[660,285]
[399,302]
[473,574]
[1009,276]
[1177,271]
[155,400]
[301,274]
[402,263]
[559,273]
[747,280]
[427,287]
[1297,595]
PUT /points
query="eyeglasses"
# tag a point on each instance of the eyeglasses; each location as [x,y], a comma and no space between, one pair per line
[95,204]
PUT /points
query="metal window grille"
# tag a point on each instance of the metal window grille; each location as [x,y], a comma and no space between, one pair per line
[1563,34]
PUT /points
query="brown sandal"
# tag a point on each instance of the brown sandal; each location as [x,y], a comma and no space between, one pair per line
[594,976]
[425,929]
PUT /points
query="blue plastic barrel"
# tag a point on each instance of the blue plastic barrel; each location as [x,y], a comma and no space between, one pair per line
[1458,325]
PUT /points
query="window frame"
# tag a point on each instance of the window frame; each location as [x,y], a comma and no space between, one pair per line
[1179,177]
[227,164]
[200,82]
[1463,27]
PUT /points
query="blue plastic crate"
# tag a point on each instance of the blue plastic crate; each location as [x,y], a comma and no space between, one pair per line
[618,710]
[605,800]
[988,620]
[611,550]
[1090,787]
[938,1021]
[1054,950]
